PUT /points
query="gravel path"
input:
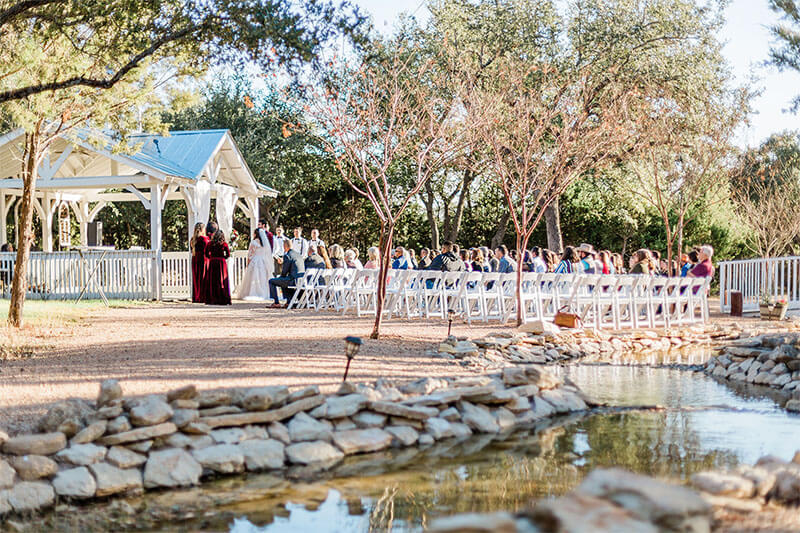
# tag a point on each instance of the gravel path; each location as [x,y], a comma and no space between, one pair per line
[151,349]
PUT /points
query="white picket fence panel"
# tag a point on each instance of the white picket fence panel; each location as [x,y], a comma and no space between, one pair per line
[777,277]
[122,274]
[176,273]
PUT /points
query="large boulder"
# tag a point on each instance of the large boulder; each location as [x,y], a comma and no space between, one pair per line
[113,480]
[75,483]
[82,454]
[37,444]
[172,467]
[150,412]
[306,428]
[30,496]
[262,398]
[222,458]
[68,413]
[110,390]
[262,454]
[306,453]
[33,467]
[362,440]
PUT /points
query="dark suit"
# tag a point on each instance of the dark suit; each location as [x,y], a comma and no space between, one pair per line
[293,269]
[447,262]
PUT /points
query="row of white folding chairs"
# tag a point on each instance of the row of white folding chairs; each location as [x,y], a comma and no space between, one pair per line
[602,301]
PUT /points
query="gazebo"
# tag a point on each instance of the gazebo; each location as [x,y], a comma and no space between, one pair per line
[193,166]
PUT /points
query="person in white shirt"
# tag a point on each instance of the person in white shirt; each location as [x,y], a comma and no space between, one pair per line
[278,239]
[351,260]
[315,240]
[299,244]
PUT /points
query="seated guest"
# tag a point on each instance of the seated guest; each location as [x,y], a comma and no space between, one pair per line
[352,261]
[479,263]
[568,260]
[373,258]
[464,256]
[642,262]
[337,257]
[619,264]
[324,253]
[413,259]
[314,259]
[401,260]
[293,269]
[447,261]
[704,268]
[537,263]
[494,262]
[586,264]
[424,259]
[6,247]
[606,263]
[506,264]
[688,262]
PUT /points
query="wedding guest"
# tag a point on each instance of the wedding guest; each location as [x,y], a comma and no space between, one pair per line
[197,245]
[412,256]
[568,260]
[293,269]
[218,290]
[506,263]
[315,240]
[619,264]
[337,257]
[537,263]
[373,258]
[424,259]
[642,262]
[494,262]
[478,261]
[8,248]
[551,259]
[351,261]
[704,268]
[689,262]
[607,265]
[400,261]
[325,257]
[586,265]
[277,247]
[314,259]
[465,258]
[447,261]
[299,243]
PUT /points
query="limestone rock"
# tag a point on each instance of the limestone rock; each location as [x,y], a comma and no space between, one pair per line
[6,475]
[505,418]
[37,444]
[109,411]
[563,401]
[279,432]
[30,496]
[188,392]
[265,417]
[439,428]
[312,452]
[82,454]
[720,484]
[3,437]
[403,435]
[368,419]
[192,442]
[142,433]
[75,483]
[222,458]
[185,404]
[196,428]
[262,398]
[793,406]
[344,424]
[110,390]
[255,432]
[171,468]
[184,417]
[303,427]
[262,454]
[113,480]
[340,406]
[451,414]
[762,479]
[124,458]
[228,436]
[305,392]
[460,430]
[394,409]
[501,522]
[120,424]
[539,327]
[214,398]
[143,446]
[426,439]
[73,409]
[478,418]
[424,386]
[362,440]
[70,427]
[541,408]
[577,512]
[90,433]
[150,412]
[32,467]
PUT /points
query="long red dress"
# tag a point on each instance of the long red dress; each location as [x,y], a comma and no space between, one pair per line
[218,290]
[199,268]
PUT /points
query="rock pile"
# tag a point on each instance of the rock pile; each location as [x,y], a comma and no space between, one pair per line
[772,360]
[616,500]
[544,342]
[121,444]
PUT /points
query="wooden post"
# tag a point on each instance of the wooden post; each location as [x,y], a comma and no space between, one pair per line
[155,237]
[3,215]
[737,303]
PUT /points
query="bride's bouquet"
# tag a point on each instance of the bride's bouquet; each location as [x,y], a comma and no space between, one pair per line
[234,236]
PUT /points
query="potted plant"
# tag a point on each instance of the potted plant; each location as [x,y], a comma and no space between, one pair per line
[771,308]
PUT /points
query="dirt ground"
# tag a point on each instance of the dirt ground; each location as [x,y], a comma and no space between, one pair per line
[154,348]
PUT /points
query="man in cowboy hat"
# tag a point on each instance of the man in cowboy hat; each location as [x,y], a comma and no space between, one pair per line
[587,253]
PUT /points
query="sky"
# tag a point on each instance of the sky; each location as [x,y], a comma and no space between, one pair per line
[747,42]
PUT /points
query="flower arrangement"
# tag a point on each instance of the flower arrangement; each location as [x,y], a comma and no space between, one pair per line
[234,236]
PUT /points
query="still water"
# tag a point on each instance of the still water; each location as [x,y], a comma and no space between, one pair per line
[703,425]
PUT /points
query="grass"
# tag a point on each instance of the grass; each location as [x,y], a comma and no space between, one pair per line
[42,320]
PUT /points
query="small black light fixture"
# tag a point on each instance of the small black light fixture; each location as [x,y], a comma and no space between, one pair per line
[351,347]
[451,314]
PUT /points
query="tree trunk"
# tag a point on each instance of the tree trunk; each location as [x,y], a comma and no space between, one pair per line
[387,234]
[458,216]
[500,232]
[680,244]
[19,284]
[272,221]
[522,245]
[552,219]
[428,199]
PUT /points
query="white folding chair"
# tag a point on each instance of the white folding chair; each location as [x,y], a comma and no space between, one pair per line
[302,289]
[471,297]
[492,296]
[624,296]
[431,286]
[531,297]
[451,292]
[361,292]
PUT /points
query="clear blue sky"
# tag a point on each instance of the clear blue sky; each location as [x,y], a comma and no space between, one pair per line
[747,46]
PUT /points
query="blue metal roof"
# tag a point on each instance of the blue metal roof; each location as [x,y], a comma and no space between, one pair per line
[182,153]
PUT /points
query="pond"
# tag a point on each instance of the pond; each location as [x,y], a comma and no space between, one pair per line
[703,425]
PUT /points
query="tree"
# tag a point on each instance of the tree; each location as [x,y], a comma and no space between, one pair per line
[130,104]
[124,35]
[389,129]
[785,53]
[766,194]
[545,127]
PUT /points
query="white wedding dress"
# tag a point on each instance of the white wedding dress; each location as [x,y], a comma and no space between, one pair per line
[255,281]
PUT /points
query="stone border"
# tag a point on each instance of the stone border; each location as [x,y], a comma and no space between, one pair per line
[119,445]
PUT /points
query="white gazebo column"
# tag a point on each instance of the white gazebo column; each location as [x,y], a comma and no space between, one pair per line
[3,215]
[252,208]
[47,224]
[155,237]
[81,210]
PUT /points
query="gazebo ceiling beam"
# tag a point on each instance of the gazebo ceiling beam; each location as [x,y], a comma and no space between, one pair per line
[82,182]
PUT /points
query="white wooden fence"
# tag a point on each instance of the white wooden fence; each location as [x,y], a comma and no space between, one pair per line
[777,278]
[176,273]
[122,274]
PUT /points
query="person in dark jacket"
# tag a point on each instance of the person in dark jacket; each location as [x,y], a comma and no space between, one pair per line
[293,269]
[448,260]
[314,260]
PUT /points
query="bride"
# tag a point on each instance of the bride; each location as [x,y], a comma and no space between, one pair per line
[255,281]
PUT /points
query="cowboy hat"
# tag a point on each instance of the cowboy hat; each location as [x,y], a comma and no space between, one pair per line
[586,248]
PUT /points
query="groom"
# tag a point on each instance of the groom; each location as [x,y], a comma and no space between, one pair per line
[293,269]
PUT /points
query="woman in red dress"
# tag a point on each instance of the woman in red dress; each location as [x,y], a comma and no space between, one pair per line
[199,262]
[218,290]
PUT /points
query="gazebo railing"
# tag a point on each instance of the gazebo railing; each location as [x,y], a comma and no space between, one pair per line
[122,274]
[777,277]
[176,273]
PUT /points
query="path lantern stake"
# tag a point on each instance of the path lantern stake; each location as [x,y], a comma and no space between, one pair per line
[451,314]
[351,347]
